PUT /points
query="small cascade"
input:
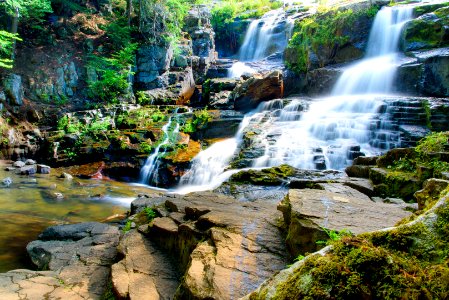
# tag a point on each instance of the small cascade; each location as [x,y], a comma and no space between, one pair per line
[208,167]
[375,73]
[264,38]
[149,172]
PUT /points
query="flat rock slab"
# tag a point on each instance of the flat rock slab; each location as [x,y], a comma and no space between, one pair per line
[308,211]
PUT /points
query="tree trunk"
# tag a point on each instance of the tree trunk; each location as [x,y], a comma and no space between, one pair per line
[14,29]
[129,9]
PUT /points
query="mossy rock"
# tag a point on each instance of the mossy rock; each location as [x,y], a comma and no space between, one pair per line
[271,176]
[428,31]
[410,261]
[390,183]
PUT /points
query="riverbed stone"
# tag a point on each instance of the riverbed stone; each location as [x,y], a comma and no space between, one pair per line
[307,211]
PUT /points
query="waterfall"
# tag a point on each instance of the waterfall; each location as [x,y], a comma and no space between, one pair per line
[375,73]
[208,167]
[337,129]
[264,37]
[334,130]
[149,172]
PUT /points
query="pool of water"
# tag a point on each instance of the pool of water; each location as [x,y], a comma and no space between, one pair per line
[32,203]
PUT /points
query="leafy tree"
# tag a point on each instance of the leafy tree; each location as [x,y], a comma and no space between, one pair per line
[32,11]
[6,47]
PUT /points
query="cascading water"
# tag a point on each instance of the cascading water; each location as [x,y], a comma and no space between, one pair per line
[264,37]
[148,173]
[375,73]
[207,171]
[334,130]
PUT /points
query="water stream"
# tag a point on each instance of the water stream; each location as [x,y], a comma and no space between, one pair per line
[149,173]
[32,203]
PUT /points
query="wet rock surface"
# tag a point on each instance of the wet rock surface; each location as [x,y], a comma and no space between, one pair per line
[145,272]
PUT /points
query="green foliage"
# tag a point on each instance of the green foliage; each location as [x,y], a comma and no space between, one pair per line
[435,142]
[150,213]
[334,235]
[199,120]
[7,41]
[114,73]
[145,148]
[403,164]
[69,125]
[30,10]
[227,11]
[157,116]
[127,226]
[162,20]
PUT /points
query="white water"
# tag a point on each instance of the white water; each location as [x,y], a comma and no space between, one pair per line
[375,73]
[208,167]
[333,127]
[264,37]
[325,134]
[149,172]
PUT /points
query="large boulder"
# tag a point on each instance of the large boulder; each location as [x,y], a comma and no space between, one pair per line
[311,213]
[152,61]
[430,30]
[369,266]
[258,88]
[225,247]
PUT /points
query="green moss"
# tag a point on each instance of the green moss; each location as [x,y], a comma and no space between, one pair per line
[270,176]
[374,266]
[321,34]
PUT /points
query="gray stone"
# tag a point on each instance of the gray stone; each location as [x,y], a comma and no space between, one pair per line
[87,243]
[30,162]
[13,89]
[28,170]
[7,181]
[306,212]
[43,169]
[18,164]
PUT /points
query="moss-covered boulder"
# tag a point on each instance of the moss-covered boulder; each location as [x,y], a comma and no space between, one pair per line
[405,262]
[431,192]
[430,30]
[310,215]
[328,37]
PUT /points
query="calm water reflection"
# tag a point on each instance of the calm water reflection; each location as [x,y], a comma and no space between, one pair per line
[31,203]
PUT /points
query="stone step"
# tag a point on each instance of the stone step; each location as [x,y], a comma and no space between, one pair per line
[408,103]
